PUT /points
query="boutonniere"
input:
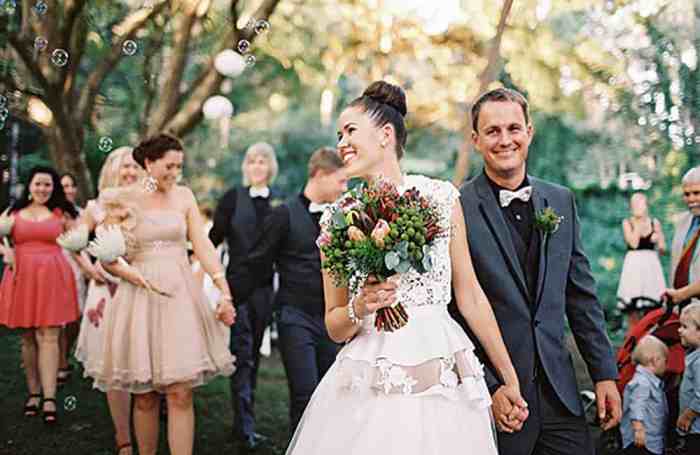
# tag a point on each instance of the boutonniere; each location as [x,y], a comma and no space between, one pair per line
[276,202]
[548,221]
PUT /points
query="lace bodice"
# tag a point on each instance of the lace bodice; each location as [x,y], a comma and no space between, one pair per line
[434,287]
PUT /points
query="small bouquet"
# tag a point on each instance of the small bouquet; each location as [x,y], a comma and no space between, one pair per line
[74,240]
[6,223]
[375,231]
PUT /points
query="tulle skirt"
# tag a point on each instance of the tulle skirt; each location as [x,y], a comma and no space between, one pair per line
[642,281]
[90,344]
[417,391]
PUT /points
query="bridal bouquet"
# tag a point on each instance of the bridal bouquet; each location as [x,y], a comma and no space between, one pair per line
[6,223]
[375,231]
[74,240]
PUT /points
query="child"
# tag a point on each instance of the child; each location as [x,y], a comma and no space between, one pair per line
[688,421]
[645,410]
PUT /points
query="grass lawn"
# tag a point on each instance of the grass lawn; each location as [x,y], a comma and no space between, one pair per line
[88,428]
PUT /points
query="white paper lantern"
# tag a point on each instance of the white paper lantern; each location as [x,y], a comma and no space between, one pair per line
[229,63]
[217,107]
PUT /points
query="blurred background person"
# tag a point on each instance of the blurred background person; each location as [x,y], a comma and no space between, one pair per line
[38,291]
[642,279]
[118,170]
[239,219]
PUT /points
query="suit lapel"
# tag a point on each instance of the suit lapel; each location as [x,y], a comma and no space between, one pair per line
[539,203]
[489,208]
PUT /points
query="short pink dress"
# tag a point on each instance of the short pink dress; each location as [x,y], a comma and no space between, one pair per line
[40,291]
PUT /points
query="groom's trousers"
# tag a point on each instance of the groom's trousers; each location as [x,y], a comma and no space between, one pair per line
[550,429]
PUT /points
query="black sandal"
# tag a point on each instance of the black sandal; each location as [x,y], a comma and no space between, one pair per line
[32,410]
[50,417]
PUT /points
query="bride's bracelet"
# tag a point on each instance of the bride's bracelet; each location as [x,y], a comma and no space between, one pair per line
[351,313]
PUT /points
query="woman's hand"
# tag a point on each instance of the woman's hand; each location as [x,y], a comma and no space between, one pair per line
[374,295]
[225,312]
[8,257]
[675,295]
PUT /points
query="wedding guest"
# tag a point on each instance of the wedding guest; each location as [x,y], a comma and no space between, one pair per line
[645,409]
[288,241]
[118,170]
[38,292]
[689,419]
[69,333]
[642,280]
[238,220]
[158,302]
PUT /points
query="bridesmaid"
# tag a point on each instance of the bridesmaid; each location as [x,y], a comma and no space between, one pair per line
[642,280]
[37,292]
[118,170]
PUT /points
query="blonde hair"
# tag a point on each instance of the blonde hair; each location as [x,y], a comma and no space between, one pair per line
[266,151]
[649,347]
[109,175]
[324,159]
[693,312]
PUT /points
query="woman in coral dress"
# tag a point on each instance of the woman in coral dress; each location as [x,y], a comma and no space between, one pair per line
[160,333]
[38,290]
[419,390]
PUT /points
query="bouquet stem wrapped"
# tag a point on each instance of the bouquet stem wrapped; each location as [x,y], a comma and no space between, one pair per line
[375,231]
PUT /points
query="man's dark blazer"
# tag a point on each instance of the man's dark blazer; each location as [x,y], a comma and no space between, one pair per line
[534,326]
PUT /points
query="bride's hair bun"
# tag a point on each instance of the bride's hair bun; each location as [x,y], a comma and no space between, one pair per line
[389,94]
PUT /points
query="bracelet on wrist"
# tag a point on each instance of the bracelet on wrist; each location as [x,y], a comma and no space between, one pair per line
[351,313]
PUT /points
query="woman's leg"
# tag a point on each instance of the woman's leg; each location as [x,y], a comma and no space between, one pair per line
[47,341]
[146,422]
[120,407]
[180,419]
[31,366]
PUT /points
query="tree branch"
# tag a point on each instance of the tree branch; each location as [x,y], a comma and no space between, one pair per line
[128,28]
[28,59]
[487,76]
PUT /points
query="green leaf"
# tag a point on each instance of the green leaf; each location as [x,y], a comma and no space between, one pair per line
[392,260]
[339,219]
[402,249]
[427,263]
[403,267]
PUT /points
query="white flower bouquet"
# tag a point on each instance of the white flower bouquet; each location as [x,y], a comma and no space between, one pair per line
[109,244]
[6,223]
[74,240]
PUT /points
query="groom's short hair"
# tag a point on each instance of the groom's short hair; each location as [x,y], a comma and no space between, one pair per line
[324,159]
[499,95]
[691,177]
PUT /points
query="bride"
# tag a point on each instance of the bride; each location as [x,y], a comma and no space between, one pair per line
[420,389]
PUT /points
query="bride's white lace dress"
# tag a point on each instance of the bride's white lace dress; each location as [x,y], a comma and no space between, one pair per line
[419,390]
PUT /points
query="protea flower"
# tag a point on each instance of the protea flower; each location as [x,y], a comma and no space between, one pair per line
[109,244]
[75,239]
[6,223]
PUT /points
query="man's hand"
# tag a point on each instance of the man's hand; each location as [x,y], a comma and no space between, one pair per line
[640,437]
[509,409]
[686,419]
[609,404]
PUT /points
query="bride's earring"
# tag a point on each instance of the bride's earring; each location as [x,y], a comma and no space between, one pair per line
[150,184]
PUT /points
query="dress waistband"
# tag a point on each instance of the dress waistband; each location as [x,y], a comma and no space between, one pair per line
[159,248]
[37,248]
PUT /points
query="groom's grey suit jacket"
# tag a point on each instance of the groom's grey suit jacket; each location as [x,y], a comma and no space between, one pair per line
[534,326]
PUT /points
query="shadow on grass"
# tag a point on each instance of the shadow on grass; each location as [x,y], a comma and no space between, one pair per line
[87,429]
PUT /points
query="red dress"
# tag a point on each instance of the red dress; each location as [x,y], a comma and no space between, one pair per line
[40,291]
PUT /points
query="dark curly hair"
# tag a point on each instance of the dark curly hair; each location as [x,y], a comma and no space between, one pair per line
[385,103]
[155,147]
[57,199]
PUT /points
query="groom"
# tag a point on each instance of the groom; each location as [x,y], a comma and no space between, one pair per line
[537,278]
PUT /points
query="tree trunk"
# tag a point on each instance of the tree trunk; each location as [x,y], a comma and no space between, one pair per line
[488,75]
[67,156]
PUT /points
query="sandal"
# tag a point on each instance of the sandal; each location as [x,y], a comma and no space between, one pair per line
[120,447]
[50,417]
[32,410]
[63,376]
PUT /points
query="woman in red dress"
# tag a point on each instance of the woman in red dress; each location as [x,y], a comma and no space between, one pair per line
[37,292]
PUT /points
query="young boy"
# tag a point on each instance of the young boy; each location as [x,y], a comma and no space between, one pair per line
[689,400]
[645,410]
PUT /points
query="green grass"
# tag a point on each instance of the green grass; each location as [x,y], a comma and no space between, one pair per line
[88,428]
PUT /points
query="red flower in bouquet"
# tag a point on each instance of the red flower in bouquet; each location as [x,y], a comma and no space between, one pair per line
[375,231]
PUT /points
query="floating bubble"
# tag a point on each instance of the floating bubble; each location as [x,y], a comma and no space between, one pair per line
[40,8]
[40,43]
[130,47]
[70,403]
[262,26]
[3,99]
[4,113]
[59,57]
[250,60]
[243,46]
[105,144]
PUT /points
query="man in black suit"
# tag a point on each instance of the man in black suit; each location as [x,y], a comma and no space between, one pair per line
[537,278]
[289,241]
[238,220]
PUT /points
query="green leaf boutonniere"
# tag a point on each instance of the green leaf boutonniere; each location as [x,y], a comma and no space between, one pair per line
[548,221]
[276,202]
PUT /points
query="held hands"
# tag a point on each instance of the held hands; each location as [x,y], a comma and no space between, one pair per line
[375,295]
[225,312]
[686,419]
[609,404]
[509,409]
[640,437]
